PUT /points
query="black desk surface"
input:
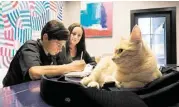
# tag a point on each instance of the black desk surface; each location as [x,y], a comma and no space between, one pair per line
[22,95]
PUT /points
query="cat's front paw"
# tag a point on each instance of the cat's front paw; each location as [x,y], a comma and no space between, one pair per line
[94,84]
[85,81]
[117,84]
[109,79]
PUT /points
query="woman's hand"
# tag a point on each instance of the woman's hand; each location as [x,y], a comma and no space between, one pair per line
[78,65]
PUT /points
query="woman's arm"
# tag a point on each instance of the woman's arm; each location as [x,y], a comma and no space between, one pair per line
[88,59]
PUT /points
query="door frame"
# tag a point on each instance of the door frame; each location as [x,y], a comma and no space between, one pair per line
[171,39]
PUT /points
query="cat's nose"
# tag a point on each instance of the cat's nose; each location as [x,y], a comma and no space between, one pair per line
[113,59]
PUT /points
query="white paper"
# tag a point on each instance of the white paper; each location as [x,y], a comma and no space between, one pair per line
[87,71]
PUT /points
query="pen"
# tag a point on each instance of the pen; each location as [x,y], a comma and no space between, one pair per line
[81,55]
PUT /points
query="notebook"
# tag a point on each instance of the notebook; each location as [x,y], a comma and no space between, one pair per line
[86,72]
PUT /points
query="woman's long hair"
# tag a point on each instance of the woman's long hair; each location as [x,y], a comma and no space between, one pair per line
[81,45]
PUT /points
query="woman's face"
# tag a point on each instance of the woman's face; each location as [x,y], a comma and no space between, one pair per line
[76,35]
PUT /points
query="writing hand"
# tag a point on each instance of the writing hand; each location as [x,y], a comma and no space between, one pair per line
[78,65]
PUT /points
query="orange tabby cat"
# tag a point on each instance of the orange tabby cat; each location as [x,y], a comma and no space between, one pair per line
[132,66]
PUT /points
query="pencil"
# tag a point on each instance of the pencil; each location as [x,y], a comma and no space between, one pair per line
[81,55]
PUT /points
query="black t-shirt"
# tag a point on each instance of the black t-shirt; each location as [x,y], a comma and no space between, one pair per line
[31,54]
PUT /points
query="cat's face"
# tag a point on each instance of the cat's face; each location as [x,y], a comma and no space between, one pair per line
[129,50]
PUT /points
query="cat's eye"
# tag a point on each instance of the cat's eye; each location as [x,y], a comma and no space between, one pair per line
[120,50]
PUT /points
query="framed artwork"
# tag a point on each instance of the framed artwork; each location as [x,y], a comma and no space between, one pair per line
[96,18]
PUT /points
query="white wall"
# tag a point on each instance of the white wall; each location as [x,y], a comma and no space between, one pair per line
[71,12]
[121,22]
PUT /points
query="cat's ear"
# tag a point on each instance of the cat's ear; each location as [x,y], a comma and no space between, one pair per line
[136,34]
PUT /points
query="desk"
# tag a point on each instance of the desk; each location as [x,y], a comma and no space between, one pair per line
[22,95]
[25,95]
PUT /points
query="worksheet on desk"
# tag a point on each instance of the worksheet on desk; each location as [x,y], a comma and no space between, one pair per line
[87,71]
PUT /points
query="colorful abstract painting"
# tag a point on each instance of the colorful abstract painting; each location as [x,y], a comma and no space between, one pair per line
[21,21]
[96,18]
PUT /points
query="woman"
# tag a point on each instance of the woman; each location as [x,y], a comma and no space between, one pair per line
[75,45]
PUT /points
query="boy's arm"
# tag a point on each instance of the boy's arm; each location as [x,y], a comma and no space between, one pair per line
[35,72]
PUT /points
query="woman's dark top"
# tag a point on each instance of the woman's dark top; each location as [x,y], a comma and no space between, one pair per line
[86,57]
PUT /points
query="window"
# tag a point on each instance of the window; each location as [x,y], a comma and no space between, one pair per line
[158,27]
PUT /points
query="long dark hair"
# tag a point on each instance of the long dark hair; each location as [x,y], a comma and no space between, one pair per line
[81,45]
